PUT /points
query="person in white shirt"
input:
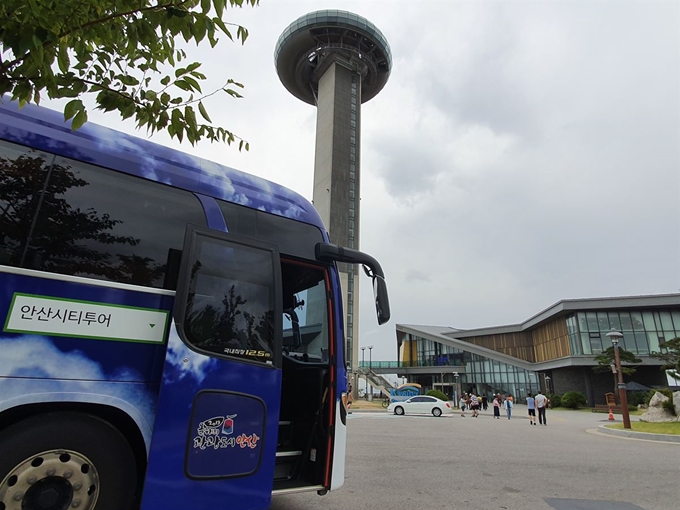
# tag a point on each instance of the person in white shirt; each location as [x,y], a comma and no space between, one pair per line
[541,403]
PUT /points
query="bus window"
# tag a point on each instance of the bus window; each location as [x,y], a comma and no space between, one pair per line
[231,301]
[305,323]
[82,220]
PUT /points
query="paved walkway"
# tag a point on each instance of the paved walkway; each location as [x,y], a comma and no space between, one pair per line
[598,420]
[426,463]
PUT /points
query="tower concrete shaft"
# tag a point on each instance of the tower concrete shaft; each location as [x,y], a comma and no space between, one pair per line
[337,177]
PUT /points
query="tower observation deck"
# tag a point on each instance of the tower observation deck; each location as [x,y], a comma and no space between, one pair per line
[311,43]
[336,60]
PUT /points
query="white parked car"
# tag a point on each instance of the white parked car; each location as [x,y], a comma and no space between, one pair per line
[421,404]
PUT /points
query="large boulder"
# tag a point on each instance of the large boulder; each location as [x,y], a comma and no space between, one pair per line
[655,412]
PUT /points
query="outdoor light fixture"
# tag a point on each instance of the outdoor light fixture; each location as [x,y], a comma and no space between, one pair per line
[370,366]
[615,337]
[455,396]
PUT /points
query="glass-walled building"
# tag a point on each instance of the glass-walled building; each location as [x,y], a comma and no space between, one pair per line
[554,350]
[643,331]
[454,370]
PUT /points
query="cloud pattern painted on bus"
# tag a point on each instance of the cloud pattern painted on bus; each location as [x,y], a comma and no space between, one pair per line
[34,370]
[182,362]
[169,166]
[44,128]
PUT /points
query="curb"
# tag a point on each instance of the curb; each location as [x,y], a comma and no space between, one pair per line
[639,435]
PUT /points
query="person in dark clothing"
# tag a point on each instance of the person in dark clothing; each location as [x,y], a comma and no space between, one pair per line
[497,407]
[485,402]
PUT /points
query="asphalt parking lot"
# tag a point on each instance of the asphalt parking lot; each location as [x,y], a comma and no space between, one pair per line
[422,462]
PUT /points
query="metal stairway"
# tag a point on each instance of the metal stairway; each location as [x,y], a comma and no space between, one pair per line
[377,381]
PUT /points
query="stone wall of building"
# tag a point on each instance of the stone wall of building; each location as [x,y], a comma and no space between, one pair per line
[595,384]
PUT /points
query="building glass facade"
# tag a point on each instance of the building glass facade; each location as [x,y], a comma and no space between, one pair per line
[643,331]
[486,376]
[479,374]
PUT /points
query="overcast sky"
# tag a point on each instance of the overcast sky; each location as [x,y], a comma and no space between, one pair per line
[520,153]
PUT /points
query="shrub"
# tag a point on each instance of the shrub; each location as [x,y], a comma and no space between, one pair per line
[638,397]
[573,399]
[555,400]
[438,394]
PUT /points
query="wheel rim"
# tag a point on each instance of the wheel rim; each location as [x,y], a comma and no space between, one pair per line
[399,410]
[436,411]
[52,480]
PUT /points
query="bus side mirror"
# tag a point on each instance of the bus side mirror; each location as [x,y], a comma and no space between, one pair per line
[331,253]
[382,302]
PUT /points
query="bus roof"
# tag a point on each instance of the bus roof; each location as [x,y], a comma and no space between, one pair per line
[45,129]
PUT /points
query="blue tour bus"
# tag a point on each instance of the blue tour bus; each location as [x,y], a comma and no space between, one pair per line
[172,328]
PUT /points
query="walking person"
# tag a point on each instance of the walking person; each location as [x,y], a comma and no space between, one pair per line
[508,406]
[541,403]
[531,406]
[485,402]
[496,407]
[461,404]
[474,405]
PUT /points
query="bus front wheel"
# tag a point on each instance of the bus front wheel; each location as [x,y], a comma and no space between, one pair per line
[64,460]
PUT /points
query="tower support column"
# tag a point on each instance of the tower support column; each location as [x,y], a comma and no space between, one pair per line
[337,177]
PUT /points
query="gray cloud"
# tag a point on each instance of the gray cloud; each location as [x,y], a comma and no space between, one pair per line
[520,153]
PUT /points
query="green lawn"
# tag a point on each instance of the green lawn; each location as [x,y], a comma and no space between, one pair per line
[653,428]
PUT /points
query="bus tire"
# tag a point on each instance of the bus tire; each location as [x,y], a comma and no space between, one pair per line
[53,460]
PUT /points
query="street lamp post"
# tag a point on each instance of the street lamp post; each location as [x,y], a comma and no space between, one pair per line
[363,365]
[615,337]
[370,366]
[546,378]
[547,385]
[456,392]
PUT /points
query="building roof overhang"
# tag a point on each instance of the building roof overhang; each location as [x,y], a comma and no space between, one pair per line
[568,306]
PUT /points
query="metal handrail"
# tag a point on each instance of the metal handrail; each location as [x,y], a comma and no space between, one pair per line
[406,364]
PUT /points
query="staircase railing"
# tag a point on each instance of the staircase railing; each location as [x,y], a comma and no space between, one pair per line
[377,381]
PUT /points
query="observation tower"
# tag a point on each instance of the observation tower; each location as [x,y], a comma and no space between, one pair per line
[336,60]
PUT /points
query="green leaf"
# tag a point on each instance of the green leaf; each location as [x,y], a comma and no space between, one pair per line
[129,80]
[233,93]
[62,58]
[192,83]
[37,52]
[205,6]
[199,29]
[203,112]
[182,85]
[165,80]
[219,8]
[79,120]
[73,107]
[189,117]
[242,33]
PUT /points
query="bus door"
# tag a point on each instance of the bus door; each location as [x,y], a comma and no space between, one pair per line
[215,435]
